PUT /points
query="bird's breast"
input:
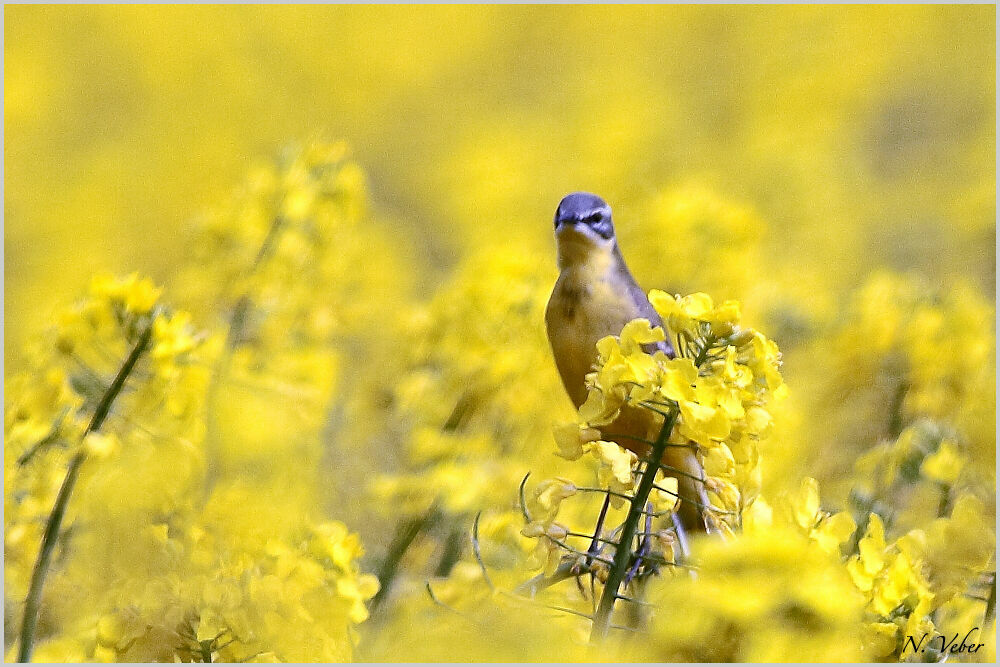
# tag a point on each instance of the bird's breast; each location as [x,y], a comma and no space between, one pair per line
[583,309]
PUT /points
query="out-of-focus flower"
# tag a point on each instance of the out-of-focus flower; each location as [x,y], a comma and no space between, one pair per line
[944,465]
[828,531]
[921,572]
[767,596]
[170,558]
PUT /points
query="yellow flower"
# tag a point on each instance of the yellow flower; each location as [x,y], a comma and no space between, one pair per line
[601,407]
[719,462]
[833,531]
[703,423]
[616,464]
[548,495]
[880,637]
[679,377]
[722,401]
[105,654]
[571,439]
[665,498]
[639,332]
[945,464]
[745,587]
[870,560]
[357,591]
[623,361]
[805,504]
[758,517]
[333,540]
[110,630]
[137,295]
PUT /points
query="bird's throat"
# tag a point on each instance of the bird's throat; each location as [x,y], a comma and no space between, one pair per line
[579,252]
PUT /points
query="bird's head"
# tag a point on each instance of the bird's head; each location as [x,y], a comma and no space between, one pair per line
[583,228]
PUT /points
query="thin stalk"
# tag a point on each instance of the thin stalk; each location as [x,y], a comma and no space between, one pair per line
[33,601]
[682,473]
[479,554]
[520,496]
[405,534]
[593,538]
[434,598]
[642,603]
[617,436]
[452,552]
[865,507]
[50,437]
[595,543]
[943,500]
[656,558]
[591,489]
[585,554]
[991,605]
[566,569]
[623,554]
[644,546]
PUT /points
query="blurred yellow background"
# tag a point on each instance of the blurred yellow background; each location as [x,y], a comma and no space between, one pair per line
[862,137]
[365,368]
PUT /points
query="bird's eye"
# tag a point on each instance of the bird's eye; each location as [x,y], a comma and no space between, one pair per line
[594,217]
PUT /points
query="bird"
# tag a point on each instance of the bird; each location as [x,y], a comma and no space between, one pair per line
[595,296]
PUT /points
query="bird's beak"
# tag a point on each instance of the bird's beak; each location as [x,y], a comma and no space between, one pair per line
[575,232]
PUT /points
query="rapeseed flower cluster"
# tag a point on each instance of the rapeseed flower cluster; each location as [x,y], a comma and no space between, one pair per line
[909,352]
[718,386]
[184,540]
[769,595]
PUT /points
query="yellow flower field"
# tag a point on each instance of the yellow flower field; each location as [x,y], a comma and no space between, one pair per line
[277,383]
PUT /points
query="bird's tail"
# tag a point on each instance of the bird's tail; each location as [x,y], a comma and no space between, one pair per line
[633,430]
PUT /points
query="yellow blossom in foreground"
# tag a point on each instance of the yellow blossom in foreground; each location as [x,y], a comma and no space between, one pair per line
[772,596]
[829,531]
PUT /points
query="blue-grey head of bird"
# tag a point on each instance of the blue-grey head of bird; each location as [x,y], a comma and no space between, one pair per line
[584,230]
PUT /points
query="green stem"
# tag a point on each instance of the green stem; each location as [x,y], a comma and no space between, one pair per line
[405,534]
[33,601]
[623,553]
[51,437]
[991,605]
[865,507]
[895,426]
[452,552]
[943,500]
[567,569]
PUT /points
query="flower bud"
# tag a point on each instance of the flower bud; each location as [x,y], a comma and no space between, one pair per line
[557,531]
[741,337]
